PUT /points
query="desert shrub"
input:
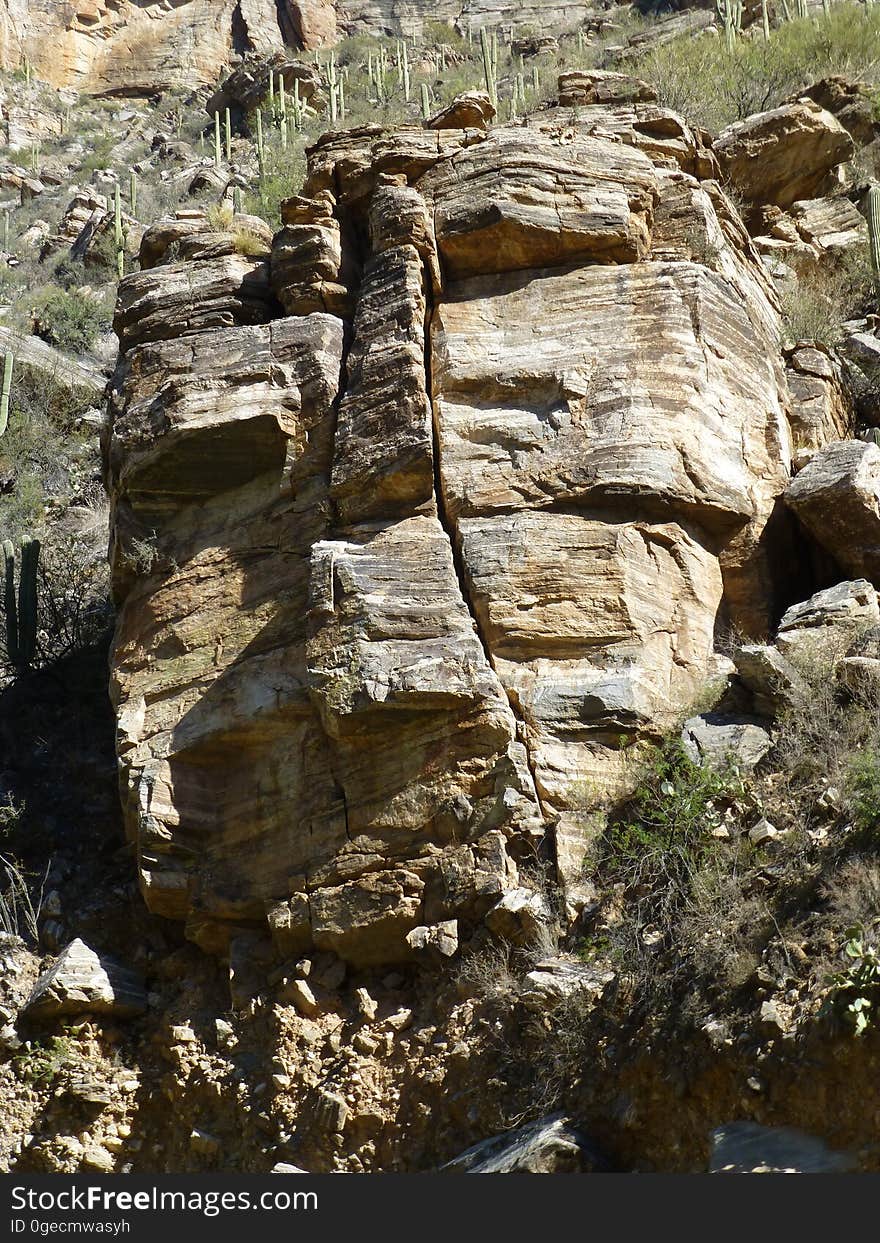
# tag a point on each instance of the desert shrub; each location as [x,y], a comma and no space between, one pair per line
[825,737]
[851,893]
[821,299]
[219,216]
[854,990]
[861,788]
[712,86]
[70,320]
[21,897]
[489,971]
[73,600]
[41,1064]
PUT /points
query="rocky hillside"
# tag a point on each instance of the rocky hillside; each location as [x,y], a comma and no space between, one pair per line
[495,677]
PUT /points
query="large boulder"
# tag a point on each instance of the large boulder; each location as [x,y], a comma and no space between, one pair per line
[551,1145]
[837,498]
[748,1148]
[783,155]
[82,981]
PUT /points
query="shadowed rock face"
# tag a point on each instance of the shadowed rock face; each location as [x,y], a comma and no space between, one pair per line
[396,576]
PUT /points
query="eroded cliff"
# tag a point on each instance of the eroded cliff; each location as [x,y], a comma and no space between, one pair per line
[430,562]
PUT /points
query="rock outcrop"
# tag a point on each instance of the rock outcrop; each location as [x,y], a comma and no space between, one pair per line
[143,47]
[401,568]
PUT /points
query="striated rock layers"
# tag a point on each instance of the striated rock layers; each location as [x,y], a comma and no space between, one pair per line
[131,47]
[421,522]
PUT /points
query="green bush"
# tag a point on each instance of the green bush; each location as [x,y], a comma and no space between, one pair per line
[70,320]
[712,86]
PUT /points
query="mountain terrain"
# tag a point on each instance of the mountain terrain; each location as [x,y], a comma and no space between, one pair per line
[440,646]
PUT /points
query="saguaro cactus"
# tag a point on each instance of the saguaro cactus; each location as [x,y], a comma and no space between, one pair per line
[133,191]
[489,67]
[425,92]
[118,232]
[7,391]
[228,137]
[21,613]
[218,150]
[873,214]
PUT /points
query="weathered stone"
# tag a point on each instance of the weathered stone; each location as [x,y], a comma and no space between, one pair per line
[557,980]
[601,86]
[821,410]
[521,199]
[783,155]
[177,299]
[349,163]
[717,741]
[437,940]
[747,1148]
[773,680]
[383,460]
[831,618]
[300,996]
[84,982]
[133,47]
[549,1146]
[307,269]
[852,103]
[837,498]
[290,924]
[661,134]
[520,916]
[470,110]
[524,420]
[53,365]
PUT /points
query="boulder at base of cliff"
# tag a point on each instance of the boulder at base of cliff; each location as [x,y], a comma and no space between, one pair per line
[83,982]
[747,1148]
[551,1145]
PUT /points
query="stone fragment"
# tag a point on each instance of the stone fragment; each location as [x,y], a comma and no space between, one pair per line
[763,832]
[366,1004]
[299,994]
[519,916]
[82,981]
[773,680]
[832,617]
[747,1148]
[435,940]
[557,980]
[171,301]
[716,741]
[552,1145]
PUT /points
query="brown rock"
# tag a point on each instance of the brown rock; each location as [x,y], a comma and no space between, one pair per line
[783,155]
[837,498]
[601,86]
[470,110]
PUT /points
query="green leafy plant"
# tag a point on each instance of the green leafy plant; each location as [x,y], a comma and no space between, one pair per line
[853,990]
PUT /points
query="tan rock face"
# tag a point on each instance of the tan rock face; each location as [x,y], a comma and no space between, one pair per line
[784,155]
[404,569]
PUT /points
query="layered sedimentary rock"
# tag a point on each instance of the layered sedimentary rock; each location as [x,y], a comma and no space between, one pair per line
[419,525]
[131,47]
